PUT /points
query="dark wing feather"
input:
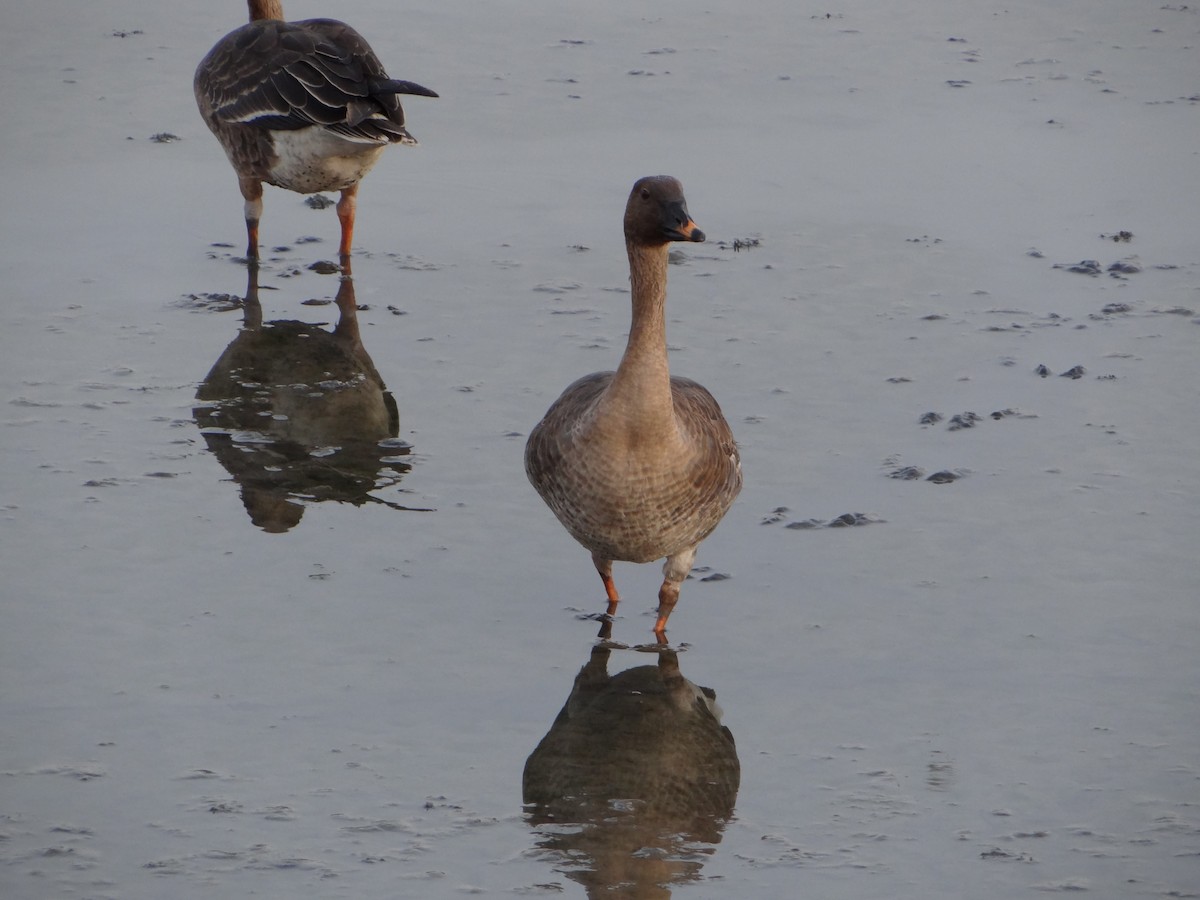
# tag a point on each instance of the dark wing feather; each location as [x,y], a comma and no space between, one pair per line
[288,75]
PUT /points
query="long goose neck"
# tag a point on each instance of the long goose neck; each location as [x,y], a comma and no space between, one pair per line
[642,384]
[265,9]
[646,350]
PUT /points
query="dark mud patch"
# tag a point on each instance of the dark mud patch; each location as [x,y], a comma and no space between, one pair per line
[916,473]
[707,573]
[1129,266]
[999,414]
[945,476]
[959,421]
[210,302]
[1083,267]
[1006,856]
[778,514]
[739,244]
[969,419]
[1074,373]
[1119,269]
[845,520]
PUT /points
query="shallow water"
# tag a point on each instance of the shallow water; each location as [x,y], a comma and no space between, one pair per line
[257,663]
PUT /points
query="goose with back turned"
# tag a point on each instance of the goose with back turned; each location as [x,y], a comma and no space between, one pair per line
[638,464]
[305,106]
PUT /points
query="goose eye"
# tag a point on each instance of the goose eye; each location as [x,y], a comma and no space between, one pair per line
[645,194]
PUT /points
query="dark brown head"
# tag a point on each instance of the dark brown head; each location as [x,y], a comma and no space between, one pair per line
[657,213]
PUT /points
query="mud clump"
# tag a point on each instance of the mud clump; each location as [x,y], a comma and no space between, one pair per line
[943,477]
[963,420]
[1083,267]
[845,520]
[1075,372]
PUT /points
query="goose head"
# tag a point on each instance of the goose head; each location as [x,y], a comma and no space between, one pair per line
[657,214]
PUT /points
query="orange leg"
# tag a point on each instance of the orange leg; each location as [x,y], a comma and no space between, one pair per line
[668,596]
[613,599]
[604,567]
[345,210]
[675,570]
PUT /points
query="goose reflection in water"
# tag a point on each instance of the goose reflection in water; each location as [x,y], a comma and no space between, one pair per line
[297,414]
[634,782]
